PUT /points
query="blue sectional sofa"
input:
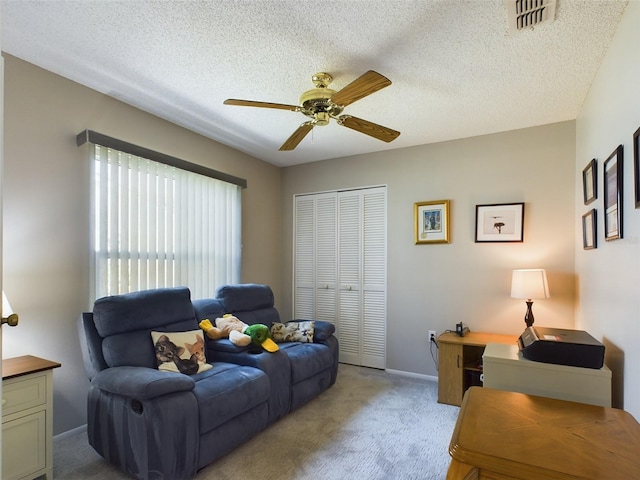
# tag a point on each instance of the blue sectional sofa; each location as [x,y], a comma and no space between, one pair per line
[156,424]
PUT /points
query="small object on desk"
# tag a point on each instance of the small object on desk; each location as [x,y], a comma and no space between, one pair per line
[562,347]
[510,435]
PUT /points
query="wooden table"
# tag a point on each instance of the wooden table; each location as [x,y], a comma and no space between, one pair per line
[503,435]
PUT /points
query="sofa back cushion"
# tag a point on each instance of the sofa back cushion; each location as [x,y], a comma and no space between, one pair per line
[250,302]
[208,308]
[125,323]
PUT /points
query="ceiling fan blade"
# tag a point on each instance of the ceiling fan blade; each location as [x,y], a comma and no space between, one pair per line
[251,103]
[369,128]
[293,141]
[366,84]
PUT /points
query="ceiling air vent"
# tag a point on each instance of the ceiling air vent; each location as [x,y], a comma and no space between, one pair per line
[525,14]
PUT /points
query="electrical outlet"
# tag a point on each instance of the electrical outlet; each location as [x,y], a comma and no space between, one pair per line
[432,336]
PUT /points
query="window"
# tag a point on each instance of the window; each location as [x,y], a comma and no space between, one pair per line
[157,225]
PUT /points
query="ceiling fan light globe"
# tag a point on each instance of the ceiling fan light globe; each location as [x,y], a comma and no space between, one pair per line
[322,119]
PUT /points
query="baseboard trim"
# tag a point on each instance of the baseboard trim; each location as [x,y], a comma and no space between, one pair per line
[431,378]
[68,433]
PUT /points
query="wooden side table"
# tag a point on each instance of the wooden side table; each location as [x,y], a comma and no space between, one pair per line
[508,435]
[27,418]
[460,360]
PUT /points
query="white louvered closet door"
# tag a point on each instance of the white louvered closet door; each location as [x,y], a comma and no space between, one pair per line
[304,257]
[374,278]
[340,269]
[315,257]
[362,277]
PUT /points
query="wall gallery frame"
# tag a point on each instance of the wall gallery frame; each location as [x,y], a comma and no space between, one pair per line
[613,195]
[431,224]
[590,182]
[589,229]
[503,222]
[636,165]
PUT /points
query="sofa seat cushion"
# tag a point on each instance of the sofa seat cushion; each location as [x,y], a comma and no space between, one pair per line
[307,359]
[228,390]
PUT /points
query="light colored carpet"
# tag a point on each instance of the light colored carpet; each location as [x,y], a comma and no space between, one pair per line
[370,425]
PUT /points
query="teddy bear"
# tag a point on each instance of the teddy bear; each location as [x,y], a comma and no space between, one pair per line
[227,326]
[238,332]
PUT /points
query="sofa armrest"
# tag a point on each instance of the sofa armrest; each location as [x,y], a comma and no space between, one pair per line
[141,383]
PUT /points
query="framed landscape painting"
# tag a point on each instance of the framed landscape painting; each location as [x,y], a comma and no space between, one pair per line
[431,223]
[589,229]
[590,182]
[613,195]
[503,222]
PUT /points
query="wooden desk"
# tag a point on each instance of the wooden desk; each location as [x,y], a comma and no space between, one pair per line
[503,435]
[460,362]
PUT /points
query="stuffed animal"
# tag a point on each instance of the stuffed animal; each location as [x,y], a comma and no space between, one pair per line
[223,327]
[260,335]
[238,332]
[229,327]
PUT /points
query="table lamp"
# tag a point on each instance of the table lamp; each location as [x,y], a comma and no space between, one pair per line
[529,283]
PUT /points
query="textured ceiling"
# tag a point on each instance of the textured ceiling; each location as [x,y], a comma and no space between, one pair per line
[456,69]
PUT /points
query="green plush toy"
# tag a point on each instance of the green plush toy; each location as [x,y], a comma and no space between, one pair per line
[260,335]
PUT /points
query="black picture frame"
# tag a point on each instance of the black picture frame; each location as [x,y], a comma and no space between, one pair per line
[590,182]
[500,222]
[589,230]
[636,165]
[613,195]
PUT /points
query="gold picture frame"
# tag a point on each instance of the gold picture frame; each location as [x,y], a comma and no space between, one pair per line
[431,222]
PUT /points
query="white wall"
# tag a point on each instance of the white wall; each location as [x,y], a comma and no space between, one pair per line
[432,287]
[46,218]
[609,286]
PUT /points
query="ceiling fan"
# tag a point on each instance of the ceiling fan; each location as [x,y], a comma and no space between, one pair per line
[321,104]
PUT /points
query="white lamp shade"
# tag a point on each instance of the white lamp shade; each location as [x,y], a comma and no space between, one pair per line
[529,283]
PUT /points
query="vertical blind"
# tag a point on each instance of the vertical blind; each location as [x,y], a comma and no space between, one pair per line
[156,225]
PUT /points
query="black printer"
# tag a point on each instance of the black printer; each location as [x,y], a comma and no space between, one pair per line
[575,348]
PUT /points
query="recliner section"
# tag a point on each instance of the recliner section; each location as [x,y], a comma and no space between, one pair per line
[299,371]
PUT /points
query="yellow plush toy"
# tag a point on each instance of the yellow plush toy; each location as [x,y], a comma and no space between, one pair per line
[227,326]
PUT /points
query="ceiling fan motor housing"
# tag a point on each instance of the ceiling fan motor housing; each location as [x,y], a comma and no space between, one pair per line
[316,103]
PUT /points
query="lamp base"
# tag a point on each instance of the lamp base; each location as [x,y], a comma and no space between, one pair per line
[528,317]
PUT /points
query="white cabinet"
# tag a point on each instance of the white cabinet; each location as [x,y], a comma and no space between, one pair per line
[340,268]
[506,369]
[27,418]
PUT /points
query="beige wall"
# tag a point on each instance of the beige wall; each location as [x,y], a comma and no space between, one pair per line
[46,217]
[432,287]
[609,292]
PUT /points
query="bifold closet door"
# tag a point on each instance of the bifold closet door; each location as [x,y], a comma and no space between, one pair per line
[340,268]
[362,276]
[315,262]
